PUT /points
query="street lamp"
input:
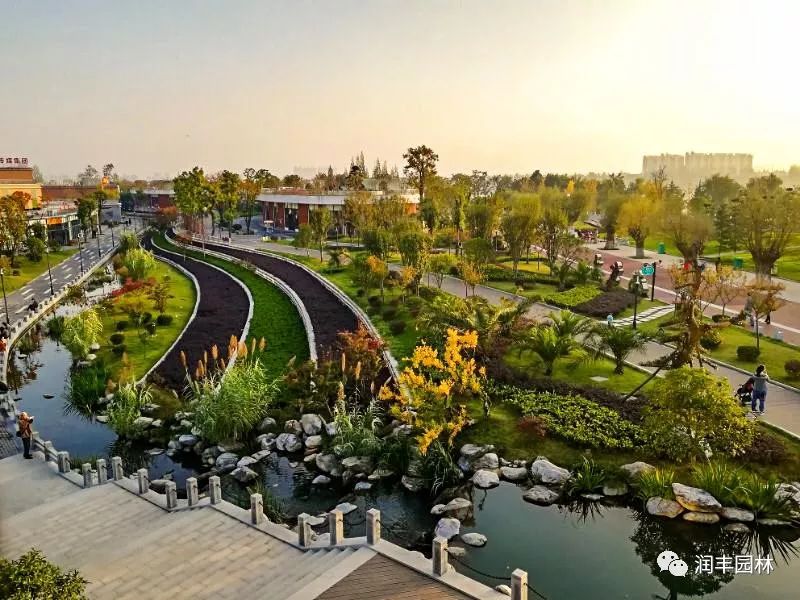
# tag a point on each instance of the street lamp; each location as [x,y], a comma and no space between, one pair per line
[98,237]
[49,272]
[636,288]
[80,248]
[5,300]
[111,227]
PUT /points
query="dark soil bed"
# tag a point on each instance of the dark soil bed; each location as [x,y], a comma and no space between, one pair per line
[222,312]
[328,315]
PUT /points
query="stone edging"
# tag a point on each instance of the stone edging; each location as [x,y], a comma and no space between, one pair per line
[282,286]
[391,362]
[144,377]
[246,328]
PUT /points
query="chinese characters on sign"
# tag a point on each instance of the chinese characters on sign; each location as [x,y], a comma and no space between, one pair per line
[14,160]
[741,564]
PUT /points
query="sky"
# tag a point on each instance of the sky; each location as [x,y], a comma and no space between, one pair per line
[498,85]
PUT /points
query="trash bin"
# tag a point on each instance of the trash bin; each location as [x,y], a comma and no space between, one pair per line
[738,263]
[662,248]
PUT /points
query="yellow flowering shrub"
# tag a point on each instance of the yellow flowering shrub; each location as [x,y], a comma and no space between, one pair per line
[436,385]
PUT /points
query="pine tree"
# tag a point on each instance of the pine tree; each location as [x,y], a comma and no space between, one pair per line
[362,165]
[376,171]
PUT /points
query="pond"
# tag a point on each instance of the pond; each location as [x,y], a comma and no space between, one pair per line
[578,551]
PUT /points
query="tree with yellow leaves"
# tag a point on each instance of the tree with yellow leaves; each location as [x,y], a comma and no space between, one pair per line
[638,216]
[435,388]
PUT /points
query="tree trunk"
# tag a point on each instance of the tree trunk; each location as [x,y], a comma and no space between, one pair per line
[639,249]
[611,240]
[620,368]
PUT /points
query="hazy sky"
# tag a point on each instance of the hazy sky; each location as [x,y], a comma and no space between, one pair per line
[504,86]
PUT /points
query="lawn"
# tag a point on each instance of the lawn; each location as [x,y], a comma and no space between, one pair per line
[144,351]
[274,316]
[29,270]
[774,354]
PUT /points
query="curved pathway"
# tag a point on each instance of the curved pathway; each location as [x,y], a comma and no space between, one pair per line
[222,311]
[328,315]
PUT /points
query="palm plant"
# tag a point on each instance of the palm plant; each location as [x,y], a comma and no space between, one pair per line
[570,324]
[620,342]
[546,342]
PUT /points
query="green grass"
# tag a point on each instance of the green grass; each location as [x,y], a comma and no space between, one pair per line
[274,316]
[536,264]
[31,270]
[141,355]
[773,353]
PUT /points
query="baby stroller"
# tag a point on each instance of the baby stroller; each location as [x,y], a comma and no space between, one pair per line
[745,392]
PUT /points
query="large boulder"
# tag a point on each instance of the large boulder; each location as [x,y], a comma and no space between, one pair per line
[358,464]
[514,473]
[447,528]
[706,518]
[346,507]
[288,442]
[159,485]
[789,491]
[244,474]
[293,426]
[226,462]
[143,422]
[736,528]
[634,469]
[487,461]
[328,463]
[362,487]
[312,424]
[543,471]
[267,424]
[473,451]
[540,494]
[615,489]
[438,509]
[380,473]
[661,507]
[321,480]
[474,539]
[246,461]
[484,479]
[738,515]
[412,484]
[260,455]
[330,428]
[695,499]
[313,441]
[457,504]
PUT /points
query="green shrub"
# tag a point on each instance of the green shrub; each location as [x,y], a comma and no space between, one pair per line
[763,498]
[164,319]
[374,301]
[792,368]
[31,576]
[119,349]
[439,467]
[719,479]
[578,295]
[587,477]
[720,318]
[126,406]
[657,482]
[150,328]
[85,386]
[767,449]
[397,326]
[146,318]
[712,339]
[579,420]
[389,313]
[117,338]
[359,292]
[122,325]
[612,302]
[747,353]
[55,327]
[15,272]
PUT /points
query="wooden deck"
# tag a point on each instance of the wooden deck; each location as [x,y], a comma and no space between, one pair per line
[381,578]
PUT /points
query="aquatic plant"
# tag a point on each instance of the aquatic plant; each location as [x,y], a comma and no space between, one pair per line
[762,497]
[85,387]
[439,467]
[587,477]
[357,429]
[274,509]
[126,407]
[81,331]
[657,482]
[55,327]
[721,480]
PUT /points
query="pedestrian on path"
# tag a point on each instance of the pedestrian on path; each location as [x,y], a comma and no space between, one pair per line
[25,432]
[760,381]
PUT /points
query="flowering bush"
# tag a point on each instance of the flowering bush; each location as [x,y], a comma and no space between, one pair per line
[435,387]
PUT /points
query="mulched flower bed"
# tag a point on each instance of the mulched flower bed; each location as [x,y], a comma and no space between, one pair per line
[222,313]
[328,315]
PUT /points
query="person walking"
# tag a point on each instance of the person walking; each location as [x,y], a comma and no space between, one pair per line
[25,432]
[760,381]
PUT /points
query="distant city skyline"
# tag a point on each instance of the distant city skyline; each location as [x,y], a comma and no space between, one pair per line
[505,87]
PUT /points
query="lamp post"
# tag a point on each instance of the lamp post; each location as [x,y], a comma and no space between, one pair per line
[49,272]
[99,254]
[636,288]
[80,249]
[111,227]
[5,300]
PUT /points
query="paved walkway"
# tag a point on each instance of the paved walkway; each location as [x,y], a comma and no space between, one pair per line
[130,547]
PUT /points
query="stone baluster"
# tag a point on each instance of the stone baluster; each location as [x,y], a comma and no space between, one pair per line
[192,497]
[303,530]
[63,462]
[86,469]
[256,509]
[519,585]
[440,556]
[336,527]
[102,471]
[49,451]
[144,480]
[116,468]
[214,489]
[373,526]
[171,490]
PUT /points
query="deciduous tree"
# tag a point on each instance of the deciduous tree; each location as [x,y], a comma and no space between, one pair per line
[420,165]
[319,219]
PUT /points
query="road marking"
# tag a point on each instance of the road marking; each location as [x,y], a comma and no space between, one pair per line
[26,292]
[24,308]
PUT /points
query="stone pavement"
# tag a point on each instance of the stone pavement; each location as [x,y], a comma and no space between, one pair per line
[131,547]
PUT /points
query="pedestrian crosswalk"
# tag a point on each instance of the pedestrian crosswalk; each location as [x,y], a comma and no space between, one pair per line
[651,314]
